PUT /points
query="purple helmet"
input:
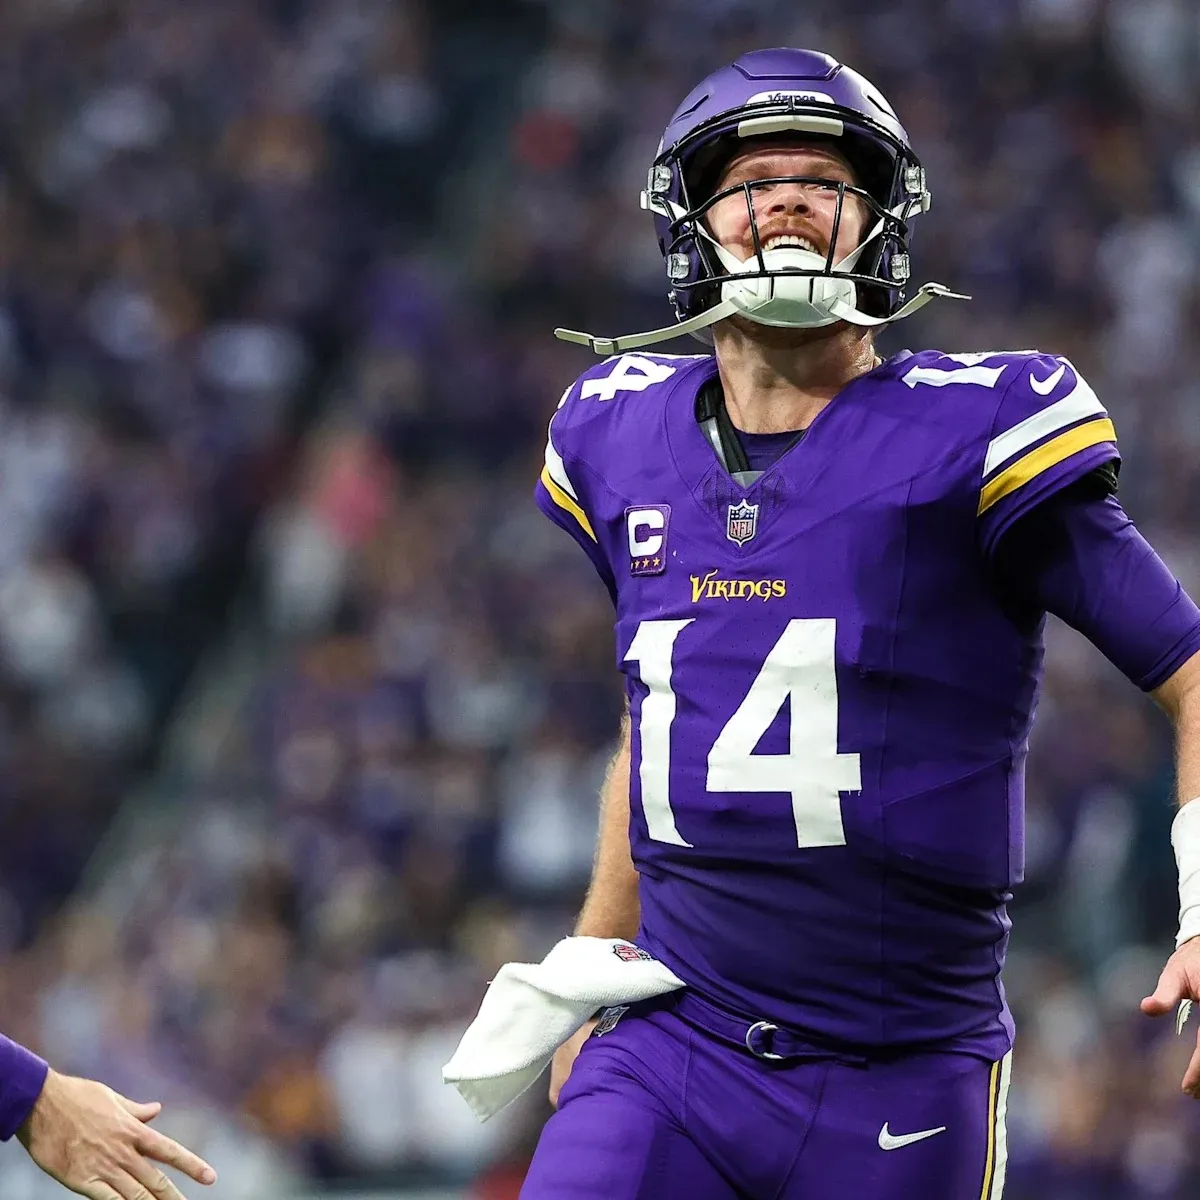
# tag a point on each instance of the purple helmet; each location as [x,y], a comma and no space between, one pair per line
[781,91]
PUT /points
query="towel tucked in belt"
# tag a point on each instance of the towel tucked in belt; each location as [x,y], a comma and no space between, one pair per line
[530,1009]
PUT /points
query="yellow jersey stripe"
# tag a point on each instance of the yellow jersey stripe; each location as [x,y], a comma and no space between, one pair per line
[990,1161]
[1044,457]
[567,503]
[1077,404]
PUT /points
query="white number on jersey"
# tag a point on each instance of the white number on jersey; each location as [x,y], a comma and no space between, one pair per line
[940,376]
[653,648]
[799,669]
[969,370]
[630,373]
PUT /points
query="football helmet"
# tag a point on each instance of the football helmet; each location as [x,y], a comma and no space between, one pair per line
[769,93]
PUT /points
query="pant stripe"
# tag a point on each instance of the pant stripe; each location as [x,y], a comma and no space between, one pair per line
[1000,1159]
[986,1191]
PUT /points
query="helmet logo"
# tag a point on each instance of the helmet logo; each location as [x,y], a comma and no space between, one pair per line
[784,97]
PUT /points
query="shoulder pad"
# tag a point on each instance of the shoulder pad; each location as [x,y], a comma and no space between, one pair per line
[1048,430]
[616,377]
[591,413]
[1047,408]
[1031,396]
[612,398]
[991,369]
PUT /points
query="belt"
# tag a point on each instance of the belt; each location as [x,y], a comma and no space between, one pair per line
[763,1039]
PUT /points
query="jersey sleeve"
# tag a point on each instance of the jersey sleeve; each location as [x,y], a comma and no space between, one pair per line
[557,495]
[1080,557]
[22,1075]
[1049,430]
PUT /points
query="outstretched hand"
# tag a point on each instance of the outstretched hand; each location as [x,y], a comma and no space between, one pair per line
[1179,985]
[97,1143]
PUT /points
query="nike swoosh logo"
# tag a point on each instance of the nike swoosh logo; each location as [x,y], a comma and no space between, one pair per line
[889,1142]
[1044,387]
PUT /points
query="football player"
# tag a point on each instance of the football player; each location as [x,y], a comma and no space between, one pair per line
[831,573]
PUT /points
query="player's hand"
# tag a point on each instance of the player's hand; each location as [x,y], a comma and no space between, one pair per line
[564,1058]
[1179,982]
[97,1143]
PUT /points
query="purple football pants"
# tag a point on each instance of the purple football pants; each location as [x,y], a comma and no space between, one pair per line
[656,1109]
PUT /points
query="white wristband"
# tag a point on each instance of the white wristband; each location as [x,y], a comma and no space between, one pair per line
[1185,837]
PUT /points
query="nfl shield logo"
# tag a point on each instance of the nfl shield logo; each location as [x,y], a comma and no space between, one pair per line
[743,522]
[608,1020]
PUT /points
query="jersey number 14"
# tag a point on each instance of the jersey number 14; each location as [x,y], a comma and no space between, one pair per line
[800,669]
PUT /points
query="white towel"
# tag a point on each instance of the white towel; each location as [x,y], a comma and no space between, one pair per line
[530,1009]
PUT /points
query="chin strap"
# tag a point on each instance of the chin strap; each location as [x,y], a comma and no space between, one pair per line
[927,292]
[728,308]
[838,309]
[630,341]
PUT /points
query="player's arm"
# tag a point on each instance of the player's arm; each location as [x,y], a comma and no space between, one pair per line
[86,1136]
[1179,698]
[22,1077]
[1179,983]
[564,493]
[561,498]
[1079,556]
[611,908]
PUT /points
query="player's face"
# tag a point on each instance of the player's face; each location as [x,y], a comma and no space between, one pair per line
[805,210]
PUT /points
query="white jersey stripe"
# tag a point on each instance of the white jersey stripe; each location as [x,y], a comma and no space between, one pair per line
[1001,1159]
[1079,403]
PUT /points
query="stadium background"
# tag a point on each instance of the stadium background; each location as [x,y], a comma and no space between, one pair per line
[303,706]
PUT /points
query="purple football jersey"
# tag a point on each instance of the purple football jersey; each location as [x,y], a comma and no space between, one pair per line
[830,709]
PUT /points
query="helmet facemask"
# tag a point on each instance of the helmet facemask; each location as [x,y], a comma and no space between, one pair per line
[789,286]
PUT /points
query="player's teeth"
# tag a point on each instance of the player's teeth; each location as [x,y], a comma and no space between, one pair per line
[788,239]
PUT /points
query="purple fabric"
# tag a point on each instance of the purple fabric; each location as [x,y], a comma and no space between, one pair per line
[1084,560]
[764,449]
[655,1108]
[22,1075]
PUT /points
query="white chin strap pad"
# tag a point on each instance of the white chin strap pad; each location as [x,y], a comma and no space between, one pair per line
[783,300]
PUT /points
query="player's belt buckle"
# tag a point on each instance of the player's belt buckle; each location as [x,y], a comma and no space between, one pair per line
[765,1028]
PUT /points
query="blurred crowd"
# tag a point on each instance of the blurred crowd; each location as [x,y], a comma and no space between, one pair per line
[171,258]
[291,267]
